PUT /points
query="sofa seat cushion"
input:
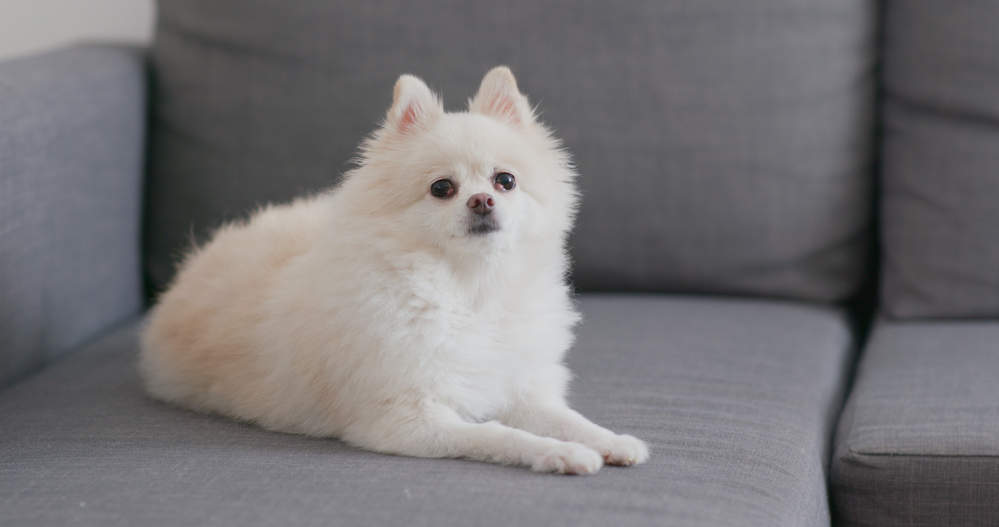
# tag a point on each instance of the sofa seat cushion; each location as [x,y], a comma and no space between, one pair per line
[735,397]
[918,444]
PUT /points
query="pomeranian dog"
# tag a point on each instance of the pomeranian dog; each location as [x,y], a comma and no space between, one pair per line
[419,308]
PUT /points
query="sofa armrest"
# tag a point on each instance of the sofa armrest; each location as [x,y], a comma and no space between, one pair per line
[72,139]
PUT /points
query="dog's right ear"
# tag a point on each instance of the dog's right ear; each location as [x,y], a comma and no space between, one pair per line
[413,105]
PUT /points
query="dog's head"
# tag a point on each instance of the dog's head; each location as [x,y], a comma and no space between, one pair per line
[472,181]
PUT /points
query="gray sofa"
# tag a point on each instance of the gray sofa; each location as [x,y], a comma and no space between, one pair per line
[787,258]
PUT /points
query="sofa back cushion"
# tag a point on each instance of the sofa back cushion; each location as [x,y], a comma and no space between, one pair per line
[723,146]
[941,159]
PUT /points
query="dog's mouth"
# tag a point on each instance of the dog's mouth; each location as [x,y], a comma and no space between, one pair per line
[482,225]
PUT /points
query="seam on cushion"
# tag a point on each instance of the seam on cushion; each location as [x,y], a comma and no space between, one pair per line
[110,329]
[854,452]
[928,109]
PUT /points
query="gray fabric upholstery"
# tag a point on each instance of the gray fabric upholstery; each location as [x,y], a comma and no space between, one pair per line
[735,397]
[724,145]
[941,159]
[918,444]
[72,124]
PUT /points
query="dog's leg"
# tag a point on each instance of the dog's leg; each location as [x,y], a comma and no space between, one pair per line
[438,431]
[554,418]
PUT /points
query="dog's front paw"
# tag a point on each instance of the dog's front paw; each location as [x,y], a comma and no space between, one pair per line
[624,450]
[568,458]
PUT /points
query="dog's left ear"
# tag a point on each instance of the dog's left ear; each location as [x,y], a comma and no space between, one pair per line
[499,97]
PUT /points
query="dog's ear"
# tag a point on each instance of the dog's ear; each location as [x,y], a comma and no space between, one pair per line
[499,97]
[413,105]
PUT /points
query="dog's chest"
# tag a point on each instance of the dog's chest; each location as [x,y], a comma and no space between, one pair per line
[479,367]
[482,346]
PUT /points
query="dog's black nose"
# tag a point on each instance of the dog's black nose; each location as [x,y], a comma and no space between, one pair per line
[481,203]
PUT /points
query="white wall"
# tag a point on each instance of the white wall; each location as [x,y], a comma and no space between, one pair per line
[28,26]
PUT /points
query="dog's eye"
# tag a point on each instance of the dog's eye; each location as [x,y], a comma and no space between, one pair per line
[504,181]
[442,188]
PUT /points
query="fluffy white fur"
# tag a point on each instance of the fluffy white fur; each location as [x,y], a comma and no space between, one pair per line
[371,312]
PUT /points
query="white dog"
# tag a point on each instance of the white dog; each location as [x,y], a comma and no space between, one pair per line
[420,308]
